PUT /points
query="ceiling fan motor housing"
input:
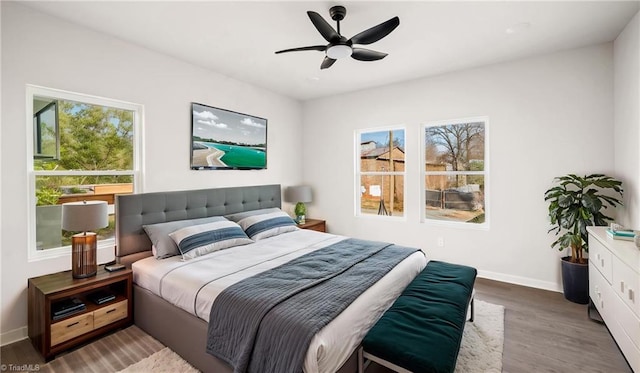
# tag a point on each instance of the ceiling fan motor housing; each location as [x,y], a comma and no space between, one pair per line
[337,12]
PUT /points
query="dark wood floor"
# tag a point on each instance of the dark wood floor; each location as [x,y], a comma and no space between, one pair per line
[543,333]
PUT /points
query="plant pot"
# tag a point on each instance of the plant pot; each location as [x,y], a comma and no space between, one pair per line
[575,281]
[48,226]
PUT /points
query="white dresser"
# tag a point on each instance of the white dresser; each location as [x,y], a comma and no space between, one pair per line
[614,288]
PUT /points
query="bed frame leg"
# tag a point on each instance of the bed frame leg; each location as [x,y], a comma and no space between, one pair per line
[360,360]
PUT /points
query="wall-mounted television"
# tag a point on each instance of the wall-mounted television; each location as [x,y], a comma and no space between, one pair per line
[227,140]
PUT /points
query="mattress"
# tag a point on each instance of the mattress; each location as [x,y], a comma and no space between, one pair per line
[193,286]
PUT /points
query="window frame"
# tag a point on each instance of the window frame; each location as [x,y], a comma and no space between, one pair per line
[358,174]
[38,131]
[485,173]
[33,91]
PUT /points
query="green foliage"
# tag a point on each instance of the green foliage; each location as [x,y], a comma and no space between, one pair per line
[47,196]
[300,209]
[92,138]
[95,137]
[577,202]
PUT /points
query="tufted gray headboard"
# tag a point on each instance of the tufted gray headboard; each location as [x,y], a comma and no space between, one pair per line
[135,210]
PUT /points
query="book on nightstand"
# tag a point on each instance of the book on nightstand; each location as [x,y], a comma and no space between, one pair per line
[101,297]
[66,307]
[626,235]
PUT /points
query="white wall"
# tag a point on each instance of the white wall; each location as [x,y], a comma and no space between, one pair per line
[42,50]
[626,56]
[549,116]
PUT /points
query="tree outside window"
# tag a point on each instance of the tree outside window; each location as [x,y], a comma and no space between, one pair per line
[455,171]
[381,171]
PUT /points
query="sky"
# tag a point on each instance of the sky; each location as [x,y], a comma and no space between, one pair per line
[223,125]
[382,137]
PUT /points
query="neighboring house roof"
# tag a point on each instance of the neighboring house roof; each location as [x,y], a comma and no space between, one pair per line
[377,152]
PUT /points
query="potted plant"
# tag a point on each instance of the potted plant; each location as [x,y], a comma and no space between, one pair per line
[301,211]
[576,202]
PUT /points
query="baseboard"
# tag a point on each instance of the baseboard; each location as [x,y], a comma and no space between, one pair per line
[524,281]
[13,336]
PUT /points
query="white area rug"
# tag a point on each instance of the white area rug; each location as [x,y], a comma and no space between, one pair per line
[480,352]
[164,360]
[483,340]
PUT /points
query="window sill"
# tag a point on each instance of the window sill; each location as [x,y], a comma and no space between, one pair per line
[456,224]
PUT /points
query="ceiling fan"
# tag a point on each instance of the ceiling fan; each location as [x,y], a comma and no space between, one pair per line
[341,47]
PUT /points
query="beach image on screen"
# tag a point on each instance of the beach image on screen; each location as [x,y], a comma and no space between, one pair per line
[223,139]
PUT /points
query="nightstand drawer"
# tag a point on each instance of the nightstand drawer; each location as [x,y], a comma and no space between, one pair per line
[70,328]
[107,315]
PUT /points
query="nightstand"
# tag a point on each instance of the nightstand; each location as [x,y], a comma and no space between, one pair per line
[51,335]
[314,225]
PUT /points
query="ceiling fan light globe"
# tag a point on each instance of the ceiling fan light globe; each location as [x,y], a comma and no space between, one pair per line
[339,51]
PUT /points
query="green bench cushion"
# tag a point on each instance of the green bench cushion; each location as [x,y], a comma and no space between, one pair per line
[422,330]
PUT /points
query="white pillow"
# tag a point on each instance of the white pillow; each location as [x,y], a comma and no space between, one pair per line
[197,240]
[266,225]
[162,245]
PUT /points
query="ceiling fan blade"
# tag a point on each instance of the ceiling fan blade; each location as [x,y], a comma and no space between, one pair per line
[327,62]
[362,54]
[325,29]
[311,48]
[376,32]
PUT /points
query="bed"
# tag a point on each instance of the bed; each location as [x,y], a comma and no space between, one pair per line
[172,297]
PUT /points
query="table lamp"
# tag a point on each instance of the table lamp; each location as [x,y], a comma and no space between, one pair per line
[300,195]
[83,217]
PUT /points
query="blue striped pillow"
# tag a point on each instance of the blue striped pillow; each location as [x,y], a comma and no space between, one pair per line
[266,225]
[197,240]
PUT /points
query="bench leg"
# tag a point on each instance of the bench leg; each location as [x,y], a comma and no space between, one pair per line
[360,360]
[473,303]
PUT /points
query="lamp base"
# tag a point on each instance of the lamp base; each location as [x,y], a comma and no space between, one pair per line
[84,255]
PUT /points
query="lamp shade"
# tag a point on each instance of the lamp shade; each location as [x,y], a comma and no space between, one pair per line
[84,216]
[296,194]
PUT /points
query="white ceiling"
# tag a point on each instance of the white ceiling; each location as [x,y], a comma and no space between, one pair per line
[238,39]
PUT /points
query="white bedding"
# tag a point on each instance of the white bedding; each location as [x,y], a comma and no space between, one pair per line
[193,286]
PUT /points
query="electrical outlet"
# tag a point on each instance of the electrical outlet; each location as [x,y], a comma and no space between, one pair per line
[440,241]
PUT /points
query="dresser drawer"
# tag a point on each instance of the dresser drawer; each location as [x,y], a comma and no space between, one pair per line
[70,328]
[600,292]
[107,315]
[625,285]
[601,258]
[629,322]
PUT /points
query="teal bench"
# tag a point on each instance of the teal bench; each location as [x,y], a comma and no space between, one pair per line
[422,330]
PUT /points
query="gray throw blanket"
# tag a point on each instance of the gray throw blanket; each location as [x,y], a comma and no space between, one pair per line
[265,323]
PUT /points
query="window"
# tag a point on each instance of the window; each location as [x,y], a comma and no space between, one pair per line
[455,171]
[82,148]
[380,172]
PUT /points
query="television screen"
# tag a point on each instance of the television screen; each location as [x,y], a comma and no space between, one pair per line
[224,139]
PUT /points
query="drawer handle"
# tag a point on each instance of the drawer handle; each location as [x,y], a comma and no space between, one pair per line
[111,310]
[75,323]
[631,295]
[622,286]
[602,262]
